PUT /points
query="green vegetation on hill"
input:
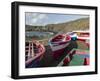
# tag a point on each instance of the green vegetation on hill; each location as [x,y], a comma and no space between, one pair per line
[80,24]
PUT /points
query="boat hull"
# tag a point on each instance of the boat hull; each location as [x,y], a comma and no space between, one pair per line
[57,51]
[58,44]
[34,58]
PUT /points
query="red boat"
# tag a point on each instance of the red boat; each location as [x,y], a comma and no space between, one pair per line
[83,36]
[34,51]
[58,44]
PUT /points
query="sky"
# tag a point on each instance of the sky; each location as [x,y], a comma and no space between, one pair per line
[37,19]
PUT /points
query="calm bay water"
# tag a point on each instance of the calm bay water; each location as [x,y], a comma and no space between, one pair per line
[37,33]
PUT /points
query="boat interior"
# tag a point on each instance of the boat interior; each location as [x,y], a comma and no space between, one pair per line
[60,38]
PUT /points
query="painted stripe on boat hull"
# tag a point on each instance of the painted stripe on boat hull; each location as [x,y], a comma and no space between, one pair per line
[62,46]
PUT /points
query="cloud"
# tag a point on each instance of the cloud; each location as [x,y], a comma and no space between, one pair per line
[41,16]
[35,18]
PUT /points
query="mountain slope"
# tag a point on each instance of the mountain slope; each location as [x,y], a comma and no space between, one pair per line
[79,24]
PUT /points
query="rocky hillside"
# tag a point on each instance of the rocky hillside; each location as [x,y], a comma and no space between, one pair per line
[80,24]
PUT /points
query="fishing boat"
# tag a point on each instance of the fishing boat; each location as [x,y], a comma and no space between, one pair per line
[34,51]
[83,36]
[58,43]
[73,35]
